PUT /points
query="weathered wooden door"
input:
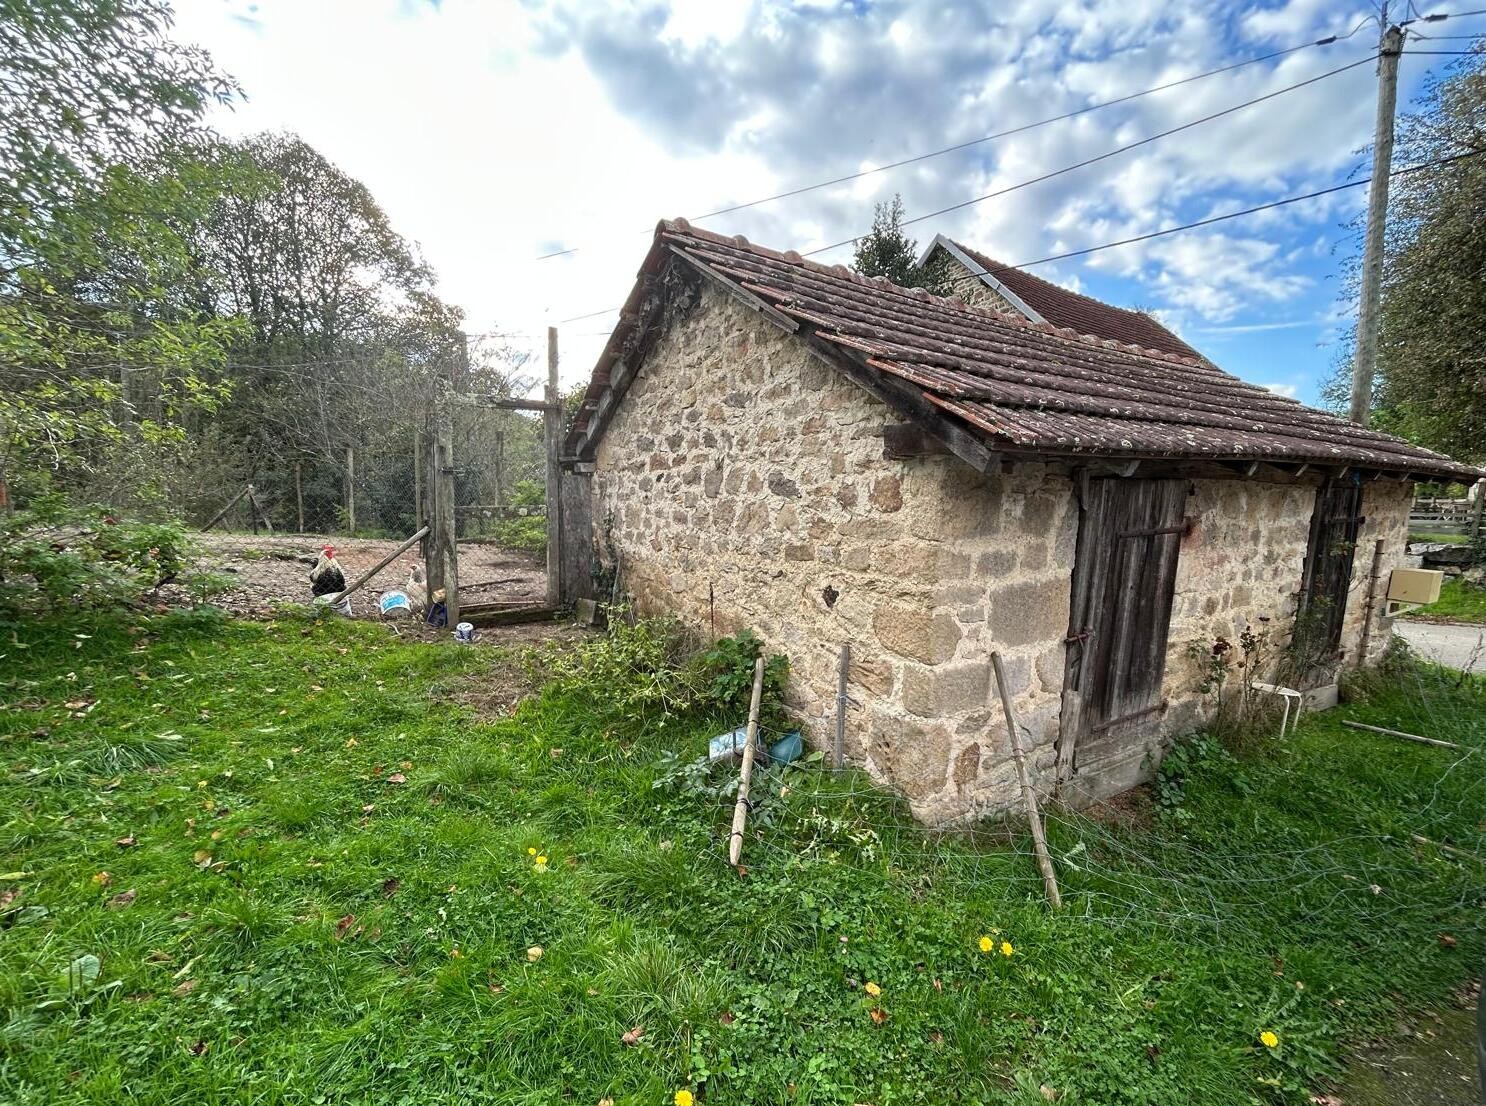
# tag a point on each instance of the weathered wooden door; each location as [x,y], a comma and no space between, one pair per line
[1129,536]
[1327,578]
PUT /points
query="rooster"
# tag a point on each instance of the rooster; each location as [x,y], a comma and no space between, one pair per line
[326,578]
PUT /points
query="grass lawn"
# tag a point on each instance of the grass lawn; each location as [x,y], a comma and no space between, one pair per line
[1442,539]
[1457,603]
[279,864]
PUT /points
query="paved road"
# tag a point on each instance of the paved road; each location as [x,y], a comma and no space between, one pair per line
[1458,645]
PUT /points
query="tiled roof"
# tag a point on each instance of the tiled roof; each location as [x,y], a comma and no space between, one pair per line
[1021,387]
[1082,313]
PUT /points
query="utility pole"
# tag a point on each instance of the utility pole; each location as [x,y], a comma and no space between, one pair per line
[1365,357]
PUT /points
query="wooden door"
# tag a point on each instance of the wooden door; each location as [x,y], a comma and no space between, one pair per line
[1327,578]
[1130,533]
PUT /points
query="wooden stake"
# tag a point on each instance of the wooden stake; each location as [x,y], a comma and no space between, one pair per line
[843,667]
[418,518]
[552,433]
[1451,849]
[351,489]
[740,810]
[446,544]
[253,499]
[299,497]
[1029,797]
[356,584]
[216,518]
[1367,611]
[1405,736]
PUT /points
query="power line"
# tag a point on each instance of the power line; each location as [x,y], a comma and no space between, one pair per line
[1107,154]
[1327,41]
[1271,205]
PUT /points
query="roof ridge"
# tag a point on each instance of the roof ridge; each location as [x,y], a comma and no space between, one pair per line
[792,257]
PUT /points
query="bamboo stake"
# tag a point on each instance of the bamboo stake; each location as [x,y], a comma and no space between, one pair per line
[740,810]
[843,669]
[1405,736]
[383,563]
[216,518]
[1029,797]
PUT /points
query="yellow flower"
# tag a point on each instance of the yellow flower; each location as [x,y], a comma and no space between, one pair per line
[986,944]
[1006,949]
[683,1098]
[873,989]
[534,953]
[541,860]
[531,852]
[540,865]
[1269,1039]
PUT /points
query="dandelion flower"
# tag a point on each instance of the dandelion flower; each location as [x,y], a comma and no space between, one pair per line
[1006,949]
[873,989]
[1269,1039]
[986,944]
[531,852]
[540,865]
[683,1098]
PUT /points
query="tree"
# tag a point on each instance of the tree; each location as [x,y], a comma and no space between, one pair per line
[1430,385]
[889,253]
[100,122]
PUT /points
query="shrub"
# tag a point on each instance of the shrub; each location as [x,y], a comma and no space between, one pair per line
[53,554]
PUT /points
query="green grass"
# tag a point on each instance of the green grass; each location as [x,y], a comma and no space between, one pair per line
[1457,603]
[1443,539]
[305,929]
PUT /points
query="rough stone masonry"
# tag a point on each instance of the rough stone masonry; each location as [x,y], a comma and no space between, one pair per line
[739,466]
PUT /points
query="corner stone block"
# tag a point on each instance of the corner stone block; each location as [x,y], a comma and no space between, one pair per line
[916,633]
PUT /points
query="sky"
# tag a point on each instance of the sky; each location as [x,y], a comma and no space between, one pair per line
[495,131]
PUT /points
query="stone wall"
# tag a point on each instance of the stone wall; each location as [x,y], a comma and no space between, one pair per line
[739,463]
[740,468]
[974,291]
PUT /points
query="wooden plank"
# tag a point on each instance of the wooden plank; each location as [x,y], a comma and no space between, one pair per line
[502,403]
[490,615]
[907,401]
[552,437]
[361,580]
[577,538]
[902,441]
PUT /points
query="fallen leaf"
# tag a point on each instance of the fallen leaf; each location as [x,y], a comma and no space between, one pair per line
[726,1017]
[202,858]
[126,842]
[390,887]
[351,743]
[397,777]
[199,1047]
[406,766]
[879,1015]
[606,1102]
[1326,1100]
[632,1036]
[8,897]
[368,808]
[534,953]
[122,899]
[1447,941]
[1048,1093]
[185,988]
[344,924]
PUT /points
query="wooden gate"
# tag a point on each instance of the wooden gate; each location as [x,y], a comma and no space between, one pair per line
[1327,578]
[1129,537]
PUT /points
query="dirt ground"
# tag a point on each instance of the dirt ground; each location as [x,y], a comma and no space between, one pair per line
[266,571]
[1431,1062]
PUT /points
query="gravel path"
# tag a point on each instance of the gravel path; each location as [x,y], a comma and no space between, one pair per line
[1453,644]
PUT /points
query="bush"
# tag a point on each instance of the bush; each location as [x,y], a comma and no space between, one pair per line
[53,555]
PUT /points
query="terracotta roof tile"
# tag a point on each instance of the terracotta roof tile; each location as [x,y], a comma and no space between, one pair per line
[1082,313]
[1025,387]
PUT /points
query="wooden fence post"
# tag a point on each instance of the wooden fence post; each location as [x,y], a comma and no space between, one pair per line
[843,668]
[299,496]
[1373,573]
[446,545]
[351,489]
[552,433]
[418,519]
[1478,510]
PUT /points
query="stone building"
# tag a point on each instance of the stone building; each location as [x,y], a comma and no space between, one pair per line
[831,459]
